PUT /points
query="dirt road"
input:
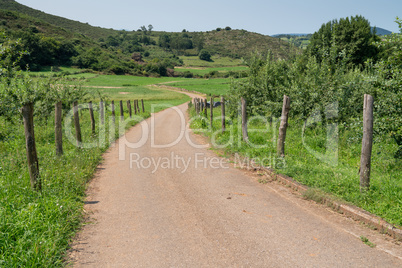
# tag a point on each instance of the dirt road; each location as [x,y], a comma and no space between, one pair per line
[159,201]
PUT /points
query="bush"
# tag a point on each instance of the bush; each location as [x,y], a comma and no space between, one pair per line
[205,55]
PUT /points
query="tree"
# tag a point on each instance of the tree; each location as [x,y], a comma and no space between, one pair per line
[205,55]
[150,28]
[21,93]
[164,41]
[388,108]
[143,29]
[349,40]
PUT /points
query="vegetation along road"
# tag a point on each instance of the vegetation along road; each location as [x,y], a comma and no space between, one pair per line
[77,100]
[162,198]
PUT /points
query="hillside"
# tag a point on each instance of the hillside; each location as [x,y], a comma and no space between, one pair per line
[74,26]
[240,43]
[234,43]
[56,41]
[381,31]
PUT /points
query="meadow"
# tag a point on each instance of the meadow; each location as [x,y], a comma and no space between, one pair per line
[216,61]
[212,70]
[215,86]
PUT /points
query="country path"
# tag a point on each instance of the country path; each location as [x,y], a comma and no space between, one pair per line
[169,203]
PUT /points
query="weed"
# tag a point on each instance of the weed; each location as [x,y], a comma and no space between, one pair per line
[367,242]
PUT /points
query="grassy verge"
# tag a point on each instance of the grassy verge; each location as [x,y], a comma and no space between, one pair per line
[303,164]
[36,228]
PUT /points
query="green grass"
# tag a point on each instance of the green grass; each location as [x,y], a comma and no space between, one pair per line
[217,61]
[127,81]
[69,72]
[202,70]
[216,86]
[36,228]
[342,180]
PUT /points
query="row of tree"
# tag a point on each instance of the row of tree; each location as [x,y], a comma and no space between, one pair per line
[335,70]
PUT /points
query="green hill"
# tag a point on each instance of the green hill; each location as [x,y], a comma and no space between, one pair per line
[241,43]
[47,37]
[74,26]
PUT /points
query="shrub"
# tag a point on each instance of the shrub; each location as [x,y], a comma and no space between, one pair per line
[205,55]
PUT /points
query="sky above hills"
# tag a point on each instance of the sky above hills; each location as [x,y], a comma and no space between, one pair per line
[262,16]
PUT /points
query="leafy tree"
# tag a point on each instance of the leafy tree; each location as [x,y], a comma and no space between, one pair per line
[348,40]
[181,42]
[388,102]
[112,41]
[150,28]
[198,41]
[205,55]
[164,41]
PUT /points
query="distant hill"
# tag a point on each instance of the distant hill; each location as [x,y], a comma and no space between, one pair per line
[381,31]
[71,25]
[56,41]
[232,43]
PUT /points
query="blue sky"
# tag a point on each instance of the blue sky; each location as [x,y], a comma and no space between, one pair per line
[265,17]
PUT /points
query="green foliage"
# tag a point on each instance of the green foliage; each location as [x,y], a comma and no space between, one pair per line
[205,55]
[389,85]
[348,40]
[316,86]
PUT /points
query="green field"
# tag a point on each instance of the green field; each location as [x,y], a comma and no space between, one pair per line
[216,86]
[202,70]
[217,61]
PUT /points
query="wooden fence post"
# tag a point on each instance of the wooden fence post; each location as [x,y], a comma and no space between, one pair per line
[113,113]
[223,114]
[77,124]
[367,143]
[200,106]
[138,106]
[58,131]
[135,106]
[283,126]
[143,107]
[102,112]
[206,108]
[121,111]
[32,156]
[129,109]
[91,113]
[244,119]
[211,106]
